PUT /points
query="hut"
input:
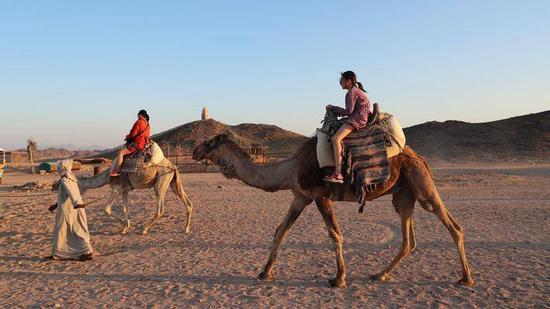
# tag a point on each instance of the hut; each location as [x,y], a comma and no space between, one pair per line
[17,157]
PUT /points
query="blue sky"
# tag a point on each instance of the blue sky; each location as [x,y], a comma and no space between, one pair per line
[78,71]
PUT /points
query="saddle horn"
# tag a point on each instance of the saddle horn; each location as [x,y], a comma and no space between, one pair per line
[375,114]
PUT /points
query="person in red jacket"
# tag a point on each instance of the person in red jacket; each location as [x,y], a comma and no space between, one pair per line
[139,136]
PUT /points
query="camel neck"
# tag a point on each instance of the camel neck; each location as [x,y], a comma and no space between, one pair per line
[269,177]
[96,181]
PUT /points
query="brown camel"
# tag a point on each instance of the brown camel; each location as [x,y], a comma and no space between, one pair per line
[161,177]
[411,180]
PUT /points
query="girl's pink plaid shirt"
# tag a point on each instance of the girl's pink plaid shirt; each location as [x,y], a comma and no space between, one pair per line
[357,108]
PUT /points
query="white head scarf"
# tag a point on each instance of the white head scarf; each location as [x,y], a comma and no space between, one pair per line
[64,169]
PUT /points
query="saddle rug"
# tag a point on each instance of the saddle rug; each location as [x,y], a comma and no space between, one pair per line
[365,160]
[137,161]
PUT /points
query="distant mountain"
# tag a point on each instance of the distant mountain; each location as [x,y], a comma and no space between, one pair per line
[53,154]
[72,147]
[517,139]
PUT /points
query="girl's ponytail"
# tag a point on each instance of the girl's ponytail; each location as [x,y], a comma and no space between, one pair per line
[361,86]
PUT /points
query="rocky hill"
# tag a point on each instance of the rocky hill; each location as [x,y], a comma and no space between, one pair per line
[186,136]
[518,139]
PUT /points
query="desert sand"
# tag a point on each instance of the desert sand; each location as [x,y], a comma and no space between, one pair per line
[505,213]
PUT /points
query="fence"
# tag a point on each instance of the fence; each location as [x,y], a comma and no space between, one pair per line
[187,165]
[198,168]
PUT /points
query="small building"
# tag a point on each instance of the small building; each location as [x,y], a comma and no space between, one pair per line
[17,157]
[204,114]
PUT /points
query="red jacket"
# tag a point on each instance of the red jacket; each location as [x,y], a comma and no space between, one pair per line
[140,134]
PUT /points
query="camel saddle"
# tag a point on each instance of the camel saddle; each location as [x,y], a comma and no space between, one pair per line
[365,160]
[136,161]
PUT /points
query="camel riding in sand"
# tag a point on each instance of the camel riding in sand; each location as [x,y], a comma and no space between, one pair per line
[140,164]
[409,180]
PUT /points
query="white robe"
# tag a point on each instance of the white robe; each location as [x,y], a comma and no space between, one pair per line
[71,238]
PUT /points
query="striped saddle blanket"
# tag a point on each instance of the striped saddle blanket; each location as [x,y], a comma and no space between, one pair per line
[365,161]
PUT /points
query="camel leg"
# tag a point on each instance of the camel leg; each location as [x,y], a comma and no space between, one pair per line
[424,189]
[325,208]
[108,207]
[296,208]
[189,207]
[403,202]
[458,237]
[125,212]
[412,236]
[160,188]
[177,188]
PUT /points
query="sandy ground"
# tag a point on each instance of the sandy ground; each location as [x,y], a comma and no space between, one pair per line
[505,214]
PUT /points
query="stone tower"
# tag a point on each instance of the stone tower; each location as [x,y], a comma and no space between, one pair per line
[204,114]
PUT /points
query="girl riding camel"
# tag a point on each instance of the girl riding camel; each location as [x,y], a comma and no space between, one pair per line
[139,136]
[356,112]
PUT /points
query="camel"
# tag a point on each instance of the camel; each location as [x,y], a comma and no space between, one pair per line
[411,180]
[161,176]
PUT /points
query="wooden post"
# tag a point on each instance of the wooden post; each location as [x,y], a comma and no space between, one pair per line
[31,147]
[177,148]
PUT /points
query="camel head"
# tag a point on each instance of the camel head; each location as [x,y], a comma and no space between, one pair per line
[206,149]
[218,150]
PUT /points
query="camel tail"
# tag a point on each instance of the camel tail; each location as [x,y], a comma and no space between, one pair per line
[177,187]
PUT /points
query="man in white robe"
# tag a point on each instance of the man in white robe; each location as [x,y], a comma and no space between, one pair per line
[71,239]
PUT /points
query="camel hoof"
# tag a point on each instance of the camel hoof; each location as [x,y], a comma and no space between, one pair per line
[335,283]
[379,277]
[466,281]
[265,275]
[144,232]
